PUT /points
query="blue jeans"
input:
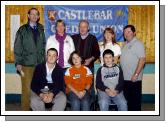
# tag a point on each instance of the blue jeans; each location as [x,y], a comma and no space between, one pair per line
[104,101]
[77,104]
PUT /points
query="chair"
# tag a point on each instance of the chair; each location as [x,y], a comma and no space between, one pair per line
[113,106]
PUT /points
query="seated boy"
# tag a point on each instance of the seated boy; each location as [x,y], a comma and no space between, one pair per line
[109,84]
[78,79]
[47,84]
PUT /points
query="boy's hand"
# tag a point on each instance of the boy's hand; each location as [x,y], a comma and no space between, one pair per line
[81,94]
[50,97]
[78,94]
[43,97]
[47,98]
[114,93]
[111,92]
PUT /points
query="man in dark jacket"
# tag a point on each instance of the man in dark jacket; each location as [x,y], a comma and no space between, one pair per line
[86,44]
[47,84]
[29,49]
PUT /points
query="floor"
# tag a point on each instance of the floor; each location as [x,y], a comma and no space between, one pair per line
[16,107]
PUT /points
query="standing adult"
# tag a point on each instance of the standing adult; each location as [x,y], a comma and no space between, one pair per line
[109,42]
[86,44]
[132,61]
[29,50]
[62,42]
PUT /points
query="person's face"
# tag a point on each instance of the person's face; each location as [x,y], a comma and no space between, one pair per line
[52,57]
[60,28]
[108,59]
[83,28]
[108,36]
[33,16]
[76,60]
[128,34]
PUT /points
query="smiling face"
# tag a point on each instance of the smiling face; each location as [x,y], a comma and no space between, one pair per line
[83,28]
[108,36]
[129,34]
[52,57]
[76,60]
[33,16]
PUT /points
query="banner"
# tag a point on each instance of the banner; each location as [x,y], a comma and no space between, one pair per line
[98,16]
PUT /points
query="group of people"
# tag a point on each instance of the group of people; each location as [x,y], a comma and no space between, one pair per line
[61,69]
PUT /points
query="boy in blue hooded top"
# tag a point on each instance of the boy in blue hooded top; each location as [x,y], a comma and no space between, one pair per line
[109,84]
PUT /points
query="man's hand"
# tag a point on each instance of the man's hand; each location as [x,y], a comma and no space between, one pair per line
[134,78]
[19,67]
[88,61]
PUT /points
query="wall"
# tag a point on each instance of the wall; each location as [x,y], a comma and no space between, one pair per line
[13,83]
[141,16]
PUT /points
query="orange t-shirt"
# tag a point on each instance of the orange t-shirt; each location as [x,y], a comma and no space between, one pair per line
[78,78]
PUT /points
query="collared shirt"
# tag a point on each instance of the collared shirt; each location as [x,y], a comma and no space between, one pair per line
[84,36]
[130,55]
[32,25]
[49,73]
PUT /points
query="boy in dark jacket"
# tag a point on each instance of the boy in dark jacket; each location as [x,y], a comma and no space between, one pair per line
[109,83]
[47,84]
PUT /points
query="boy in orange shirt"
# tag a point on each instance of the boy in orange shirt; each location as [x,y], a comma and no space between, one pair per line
[78,79]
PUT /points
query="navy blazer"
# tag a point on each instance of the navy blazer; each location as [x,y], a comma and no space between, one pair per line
[39,80]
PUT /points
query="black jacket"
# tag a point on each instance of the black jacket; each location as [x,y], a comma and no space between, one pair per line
[39,80]
[90,48]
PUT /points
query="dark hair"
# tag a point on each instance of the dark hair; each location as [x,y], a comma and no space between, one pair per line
[29,11]
[110,30]
[131,27]
[108,51]
[52,49]
[71,55]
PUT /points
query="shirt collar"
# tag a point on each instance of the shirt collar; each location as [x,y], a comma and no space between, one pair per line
[84,36]
[134,39]
[47,68]
[32,24]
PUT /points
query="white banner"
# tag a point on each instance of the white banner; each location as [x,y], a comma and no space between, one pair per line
[14,26]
